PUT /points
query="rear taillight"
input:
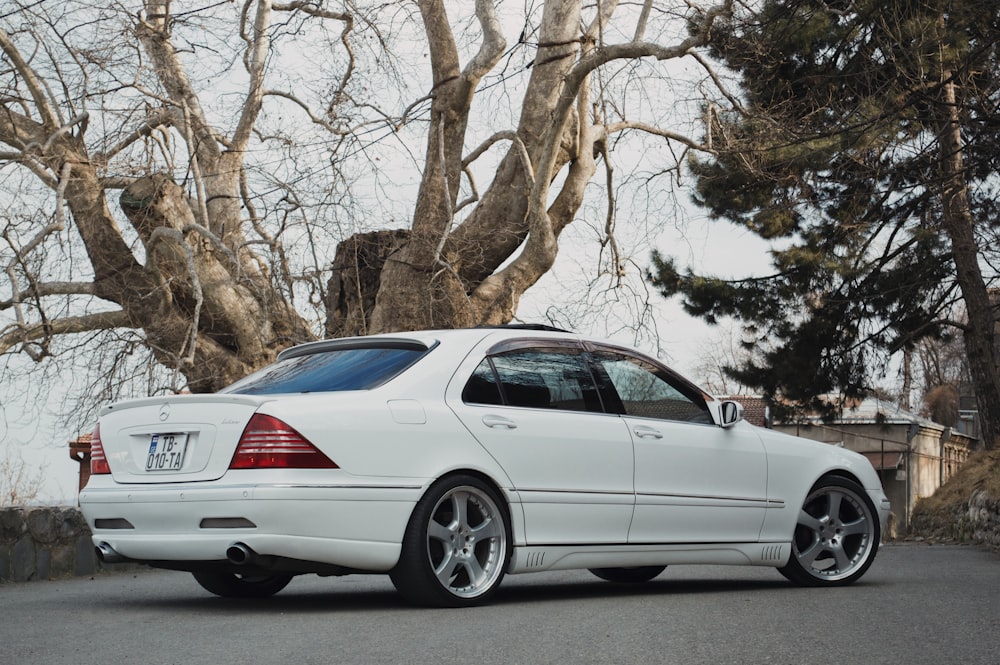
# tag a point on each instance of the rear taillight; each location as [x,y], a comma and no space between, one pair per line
[268,443]
[98,461]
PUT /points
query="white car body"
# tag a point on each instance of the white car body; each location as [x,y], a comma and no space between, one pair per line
[580,489]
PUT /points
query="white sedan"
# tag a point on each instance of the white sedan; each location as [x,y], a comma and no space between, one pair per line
[448,459]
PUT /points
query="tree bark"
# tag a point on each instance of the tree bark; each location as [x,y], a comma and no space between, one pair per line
[212,321]
[979,336]
[355,280]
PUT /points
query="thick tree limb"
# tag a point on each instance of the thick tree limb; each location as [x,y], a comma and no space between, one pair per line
[492,46]
[45,289]
[255,61]
[16,334]
[49,116]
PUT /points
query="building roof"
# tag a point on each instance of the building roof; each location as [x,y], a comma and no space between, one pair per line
[755,409]
[867,411]
[875,411]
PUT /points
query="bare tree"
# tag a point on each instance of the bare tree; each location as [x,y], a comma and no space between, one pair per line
[182,172]
[727,348]
[19,482]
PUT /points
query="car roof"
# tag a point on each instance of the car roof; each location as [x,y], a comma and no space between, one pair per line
[430,338]
[462,340]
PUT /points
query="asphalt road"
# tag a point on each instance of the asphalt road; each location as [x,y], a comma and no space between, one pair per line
[918,604]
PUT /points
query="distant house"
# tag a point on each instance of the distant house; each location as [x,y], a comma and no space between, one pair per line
[79,452]
[914,456]
[755,409]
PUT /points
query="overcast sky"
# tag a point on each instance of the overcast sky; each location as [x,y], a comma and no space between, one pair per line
[33,430]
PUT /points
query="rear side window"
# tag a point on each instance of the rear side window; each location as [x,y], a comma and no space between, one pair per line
[482,387]
[535,378]
[330,370]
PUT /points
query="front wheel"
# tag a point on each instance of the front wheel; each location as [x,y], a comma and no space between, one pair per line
[456,546]
[230,585]
[836,536]
[633,575]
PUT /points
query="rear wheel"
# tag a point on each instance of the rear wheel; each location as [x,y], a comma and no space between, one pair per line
[836,537]
[231,585]
[456,546]
[628,575]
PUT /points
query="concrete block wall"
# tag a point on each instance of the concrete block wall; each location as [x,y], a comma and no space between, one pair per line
[45,542]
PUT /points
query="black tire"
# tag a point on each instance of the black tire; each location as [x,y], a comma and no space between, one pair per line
[456,547]
[230,585]
[634,575]
[836,535]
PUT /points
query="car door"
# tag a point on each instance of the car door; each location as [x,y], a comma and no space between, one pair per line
[535,407]
[695,482]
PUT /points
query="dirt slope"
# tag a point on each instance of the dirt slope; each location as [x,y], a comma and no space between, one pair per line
[967,508]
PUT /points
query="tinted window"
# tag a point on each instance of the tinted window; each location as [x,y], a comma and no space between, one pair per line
[482,387]
[645,391]
[542,379]
[331,370]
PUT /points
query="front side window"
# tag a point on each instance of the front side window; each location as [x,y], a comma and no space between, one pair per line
[535,378]
[331,370]
[645,390]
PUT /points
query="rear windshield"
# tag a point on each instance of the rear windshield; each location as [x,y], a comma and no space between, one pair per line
[330,370]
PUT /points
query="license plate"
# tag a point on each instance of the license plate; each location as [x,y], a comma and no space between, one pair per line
[166,452]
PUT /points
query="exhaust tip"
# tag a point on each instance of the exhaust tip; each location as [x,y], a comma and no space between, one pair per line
[239,554]
[107,554]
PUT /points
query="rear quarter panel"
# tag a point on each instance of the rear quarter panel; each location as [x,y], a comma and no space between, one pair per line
[386,434]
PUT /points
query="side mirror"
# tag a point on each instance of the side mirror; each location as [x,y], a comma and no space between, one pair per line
[730,413]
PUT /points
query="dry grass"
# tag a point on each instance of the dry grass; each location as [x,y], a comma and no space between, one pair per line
[980,471]
[940,516]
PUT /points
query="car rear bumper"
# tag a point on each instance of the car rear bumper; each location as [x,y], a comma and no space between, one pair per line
[349,526]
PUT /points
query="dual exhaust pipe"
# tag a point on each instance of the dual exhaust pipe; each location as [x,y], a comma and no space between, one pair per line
[238,554]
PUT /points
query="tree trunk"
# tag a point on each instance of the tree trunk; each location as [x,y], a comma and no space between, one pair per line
[958,223]
[203,314]
[355,280]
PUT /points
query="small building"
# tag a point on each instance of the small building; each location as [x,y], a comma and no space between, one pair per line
[79,452]
[914,456]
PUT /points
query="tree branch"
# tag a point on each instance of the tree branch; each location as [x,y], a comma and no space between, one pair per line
[493,44]
[311,9]
[17,333]
[50,119]
[44,289]
[616,127]
[158,118]
[257,50]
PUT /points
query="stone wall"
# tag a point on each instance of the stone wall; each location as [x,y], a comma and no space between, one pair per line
[974,521]
[983,519]
[39,543]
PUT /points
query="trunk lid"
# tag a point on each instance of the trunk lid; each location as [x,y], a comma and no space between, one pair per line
[182,438]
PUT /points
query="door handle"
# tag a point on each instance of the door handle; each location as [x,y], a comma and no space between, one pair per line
[647,432]
[499,421]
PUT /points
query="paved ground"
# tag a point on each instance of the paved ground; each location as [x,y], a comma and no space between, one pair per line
[918,604]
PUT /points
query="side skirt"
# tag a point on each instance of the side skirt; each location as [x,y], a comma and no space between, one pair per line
[538,558]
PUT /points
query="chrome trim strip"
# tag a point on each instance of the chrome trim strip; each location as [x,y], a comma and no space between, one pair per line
[340,486]
[702,497]
[573,491]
